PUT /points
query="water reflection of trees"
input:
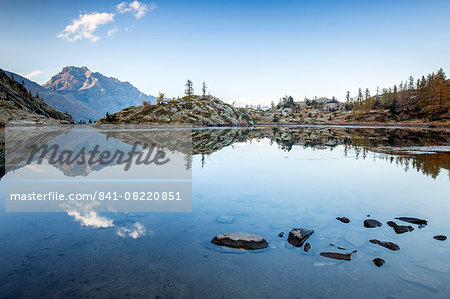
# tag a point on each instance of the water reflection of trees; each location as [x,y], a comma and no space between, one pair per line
[392,145]
[407,148]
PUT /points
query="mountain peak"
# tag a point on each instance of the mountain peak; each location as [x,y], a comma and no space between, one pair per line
[104,94]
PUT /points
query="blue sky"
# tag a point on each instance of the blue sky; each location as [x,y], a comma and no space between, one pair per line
[246,51]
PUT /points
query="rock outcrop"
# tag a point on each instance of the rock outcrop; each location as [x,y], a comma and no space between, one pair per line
[190,110]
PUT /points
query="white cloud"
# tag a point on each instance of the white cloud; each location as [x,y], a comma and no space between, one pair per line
[139,9]
[85,214]
[33,74]
[91,218]
[136,231]
[85,26]
[111,32]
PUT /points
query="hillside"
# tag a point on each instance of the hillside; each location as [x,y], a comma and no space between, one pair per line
[78,110]
[193,110]
[96,91]
[19,106]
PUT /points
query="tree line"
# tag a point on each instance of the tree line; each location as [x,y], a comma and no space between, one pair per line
[427,97]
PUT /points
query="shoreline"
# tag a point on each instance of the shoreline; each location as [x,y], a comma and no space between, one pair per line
[178,125]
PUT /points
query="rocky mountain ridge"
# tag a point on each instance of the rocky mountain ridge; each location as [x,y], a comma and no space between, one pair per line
[18,105]
[78,110]
[98,92]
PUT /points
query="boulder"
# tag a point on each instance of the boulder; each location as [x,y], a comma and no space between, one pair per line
[337,255]
[413,220]
[372,223]
[240,240]
[388,245]
[298,236]
[378,262]
[400,229]
[307,247]
[343,219]
[440,237]
[281,235]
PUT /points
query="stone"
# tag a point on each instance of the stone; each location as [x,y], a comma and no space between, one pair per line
[297,236]
[337,255]
[307,247]
[343,219]
[440,237]
[400,229]
[378,262]
[372,223]
[386,244]
[413,220]
[281,235]
[240,240]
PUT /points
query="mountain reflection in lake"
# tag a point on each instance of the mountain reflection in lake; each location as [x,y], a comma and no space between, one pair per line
[263,181]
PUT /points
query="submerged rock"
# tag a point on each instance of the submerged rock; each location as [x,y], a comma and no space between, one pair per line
[307,247]
[343,219]
[413,220]
[440,237]
[388,245]
[297,236]
[240,240]
[372,223]
[225,219]
[281,235]
[378,262]
[337,255]
[400,229]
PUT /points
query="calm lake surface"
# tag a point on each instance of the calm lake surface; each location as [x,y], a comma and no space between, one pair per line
[262,181]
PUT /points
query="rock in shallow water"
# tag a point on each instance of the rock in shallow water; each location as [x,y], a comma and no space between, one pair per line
[400,229]
[440,237]
[240,240]
[378,262]
[297,236]
[343,219]
[337,255]
[413,220]
[386,244]
[372,223]
[281,235]
[307,247]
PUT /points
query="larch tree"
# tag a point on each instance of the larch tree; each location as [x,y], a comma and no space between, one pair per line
[204,87]
[189,91]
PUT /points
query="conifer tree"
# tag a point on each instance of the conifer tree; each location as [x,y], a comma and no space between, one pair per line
[189,91]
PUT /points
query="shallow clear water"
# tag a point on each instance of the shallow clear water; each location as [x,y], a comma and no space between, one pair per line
[260,181]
